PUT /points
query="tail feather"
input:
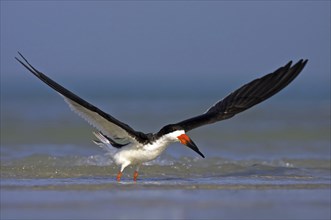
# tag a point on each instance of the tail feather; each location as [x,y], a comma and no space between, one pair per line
[103,142]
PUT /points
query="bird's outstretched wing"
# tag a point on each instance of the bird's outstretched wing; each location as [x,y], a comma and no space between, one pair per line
[246,96]
[118,131]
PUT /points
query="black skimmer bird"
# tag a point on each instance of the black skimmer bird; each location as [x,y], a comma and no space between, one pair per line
[135,147]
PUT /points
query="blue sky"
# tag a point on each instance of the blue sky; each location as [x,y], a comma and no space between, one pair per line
[145,47]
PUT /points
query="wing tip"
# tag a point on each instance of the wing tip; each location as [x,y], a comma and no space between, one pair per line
[302,62]
[21,57]
[28,66]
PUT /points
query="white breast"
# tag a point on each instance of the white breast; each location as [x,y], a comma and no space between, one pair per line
[134,154]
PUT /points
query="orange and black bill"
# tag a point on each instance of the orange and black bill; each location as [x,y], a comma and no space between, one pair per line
[186,140]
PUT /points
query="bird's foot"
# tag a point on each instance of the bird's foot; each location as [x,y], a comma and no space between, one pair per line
[135,176]
[119,175]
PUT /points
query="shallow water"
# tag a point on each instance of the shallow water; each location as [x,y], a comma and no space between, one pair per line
[271,162]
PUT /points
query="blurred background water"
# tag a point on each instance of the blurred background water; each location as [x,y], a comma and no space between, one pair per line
[153,63]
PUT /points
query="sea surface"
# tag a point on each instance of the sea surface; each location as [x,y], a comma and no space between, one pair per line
[270,162]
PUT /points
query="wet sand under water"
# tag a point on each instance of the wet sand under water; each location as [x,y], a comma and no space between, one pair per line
[165,199]
[229,197]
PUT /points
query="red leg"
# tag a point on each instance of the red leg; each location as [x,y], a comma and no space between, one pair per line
[118,178]
[135,176]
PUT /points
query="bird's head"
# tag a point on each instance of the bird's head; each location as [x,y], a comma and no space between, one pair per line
[187,141]
[176,133]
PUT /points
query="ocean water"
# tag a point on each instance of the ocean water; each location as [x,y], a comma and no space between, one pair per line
[271,162]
